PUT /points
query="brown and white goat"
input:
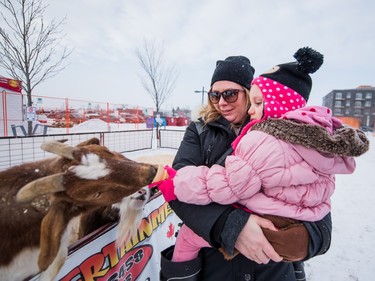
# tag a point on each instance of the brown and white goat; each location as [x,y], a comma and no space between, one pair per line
[42,202]
[130,208]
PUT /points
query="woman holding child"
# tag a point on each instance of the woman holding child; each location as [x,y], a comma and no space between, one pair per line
[208,142]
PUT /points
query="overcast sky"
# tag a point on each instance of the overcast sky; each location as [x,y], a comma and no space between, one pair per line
[105,35]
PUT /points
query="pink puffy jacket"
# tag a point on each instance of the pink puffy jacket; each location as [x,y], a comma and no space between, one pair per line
[268,176]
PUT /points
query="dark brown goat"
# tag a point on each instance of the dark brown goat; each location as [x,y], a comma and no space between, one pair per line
[41,203]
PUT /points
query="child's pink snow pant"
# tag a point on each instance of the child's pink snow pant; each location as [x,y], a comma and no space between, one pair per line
[188,245]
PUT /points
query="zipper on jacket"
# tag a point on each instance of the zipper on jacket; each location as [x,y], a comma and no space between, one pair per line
[208,154]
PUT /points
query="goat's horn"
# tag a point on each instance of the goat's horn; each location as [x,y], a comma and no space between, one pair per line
[49,184]
[58,148]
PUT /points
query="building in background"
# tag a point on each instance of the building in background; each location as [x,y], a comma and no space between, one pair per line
[355,107]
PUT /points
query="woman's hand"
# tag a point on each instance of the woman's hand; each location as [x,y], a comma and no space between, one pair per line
[253,244]
[164,182]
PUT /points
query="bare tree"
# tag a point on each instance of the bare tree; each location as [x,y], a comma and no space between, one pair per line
[160,78]
[28,46]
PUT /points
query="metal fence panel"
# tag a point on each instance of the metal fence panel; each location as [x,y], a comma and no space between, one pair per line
[18,150]
[171,138]
[131,141]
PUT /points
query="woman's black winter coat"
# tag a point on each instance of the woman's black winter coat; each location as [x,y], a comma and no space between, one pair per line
[204,145]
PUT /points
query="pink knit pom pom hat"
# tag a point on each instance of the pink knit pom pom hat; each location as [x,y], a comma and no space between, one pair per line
[287,86]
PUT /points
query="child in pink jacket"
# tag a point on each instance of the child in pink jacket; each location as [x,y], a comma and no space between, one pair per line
[284,160]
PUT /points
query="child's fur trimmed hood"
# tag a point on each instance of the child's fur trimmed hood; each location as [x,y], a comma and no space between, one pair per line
[345,141]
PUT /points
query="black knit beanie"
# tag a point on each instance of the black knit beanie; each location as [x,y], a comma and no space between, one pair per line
[236,69]
[295,75]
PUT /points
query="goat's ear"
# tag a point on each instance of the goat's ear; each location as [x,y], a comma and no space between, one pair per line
[46,185]
[88,142]
[52,228]
[58,148]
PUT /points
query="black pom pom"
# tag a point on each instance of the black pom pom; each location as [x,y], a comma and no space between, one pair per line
[308,60]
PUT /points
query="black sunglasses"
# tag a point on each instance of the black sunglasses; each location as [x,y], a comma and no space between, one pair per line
[228,95]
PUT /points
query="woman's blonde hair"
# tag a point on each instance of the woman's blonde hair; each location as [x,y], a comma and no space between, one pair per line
[209,113]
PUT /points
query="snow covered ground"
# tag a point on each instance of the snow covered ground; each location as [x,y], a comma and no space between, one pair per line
[352,253]
[97,125]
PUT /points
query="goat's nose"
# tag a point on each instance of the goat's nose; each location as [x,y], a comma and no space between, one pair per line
[142,191]
[141,194]
[153,171]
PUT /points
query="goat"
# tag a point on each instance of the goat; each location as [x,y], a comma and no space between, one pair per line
[42,203]
[130,209]
[130,214]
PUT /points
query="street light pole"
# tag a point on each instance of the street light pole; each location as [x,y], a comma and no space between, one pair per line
[202,91]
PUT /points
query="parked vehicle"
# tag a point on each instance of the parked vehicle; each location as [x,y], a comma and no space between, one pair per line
[132,118]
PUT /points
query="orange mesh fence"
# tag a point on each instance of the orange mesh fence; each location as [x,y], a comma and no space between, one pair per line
[64,112]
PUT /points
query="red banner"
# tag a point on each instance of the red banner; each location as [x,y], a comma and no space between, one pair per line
[10,84]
